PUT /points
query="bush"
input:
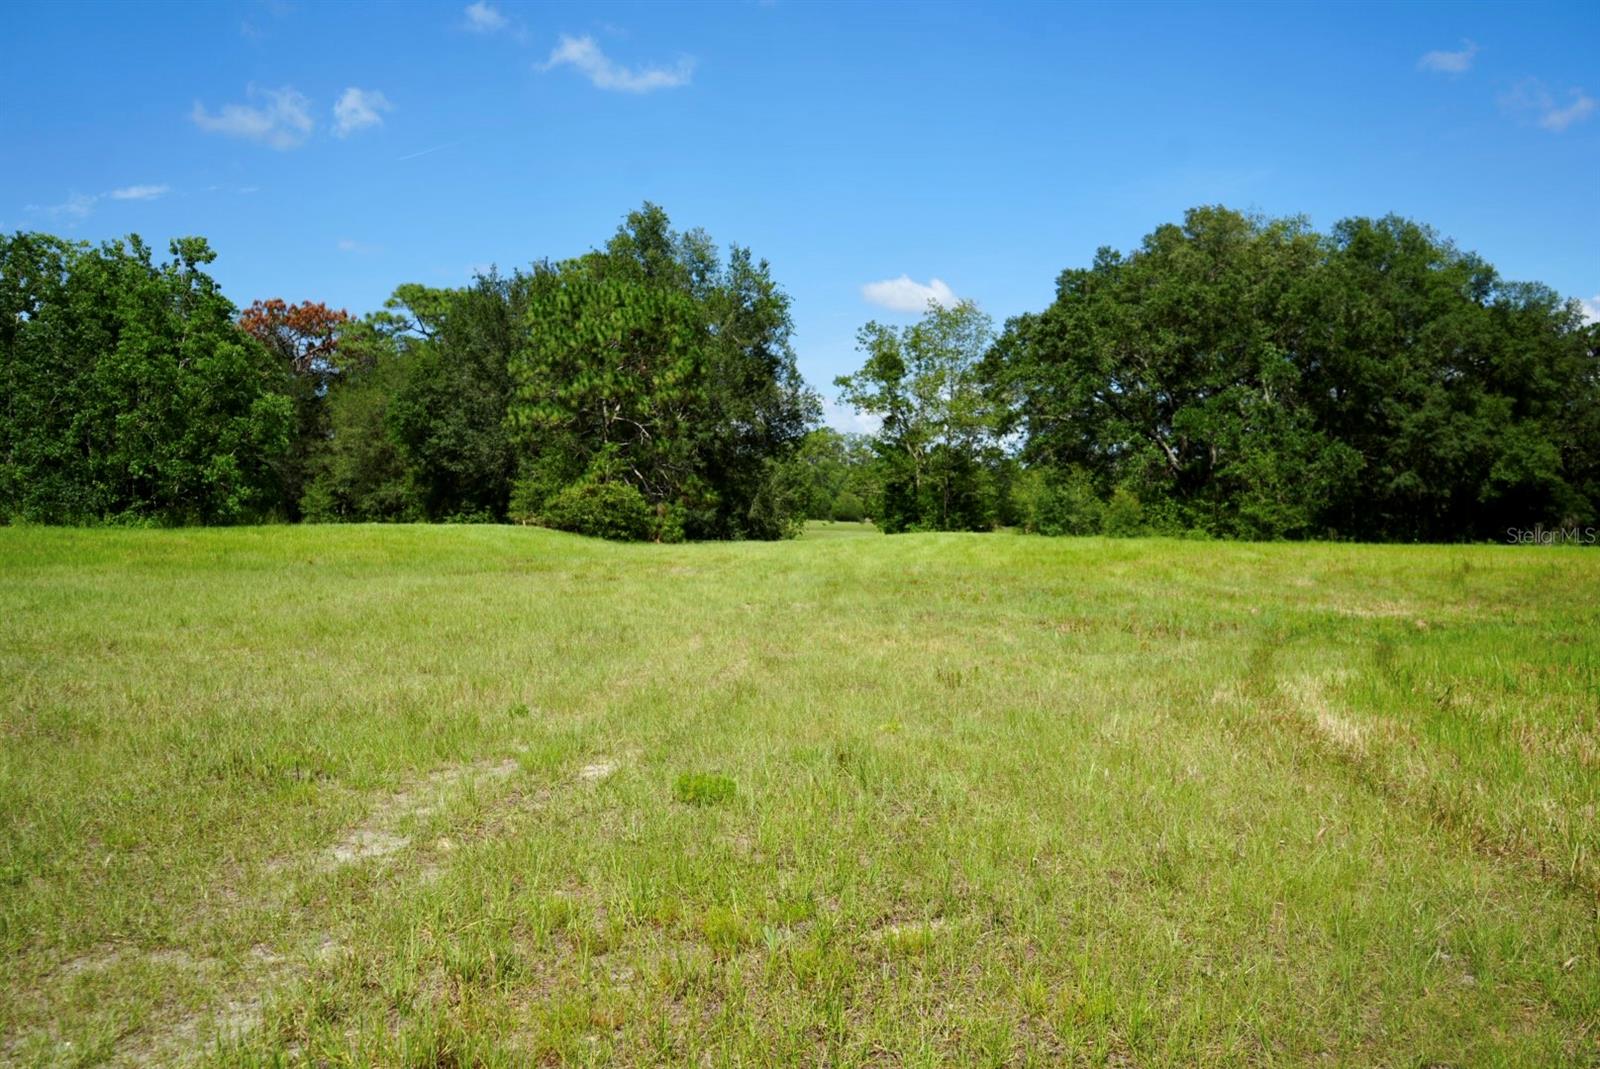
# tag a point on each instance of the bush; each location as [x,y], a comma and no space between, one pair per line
[669,523]
[703,788]
[1067,506]
[778,509]
[611,510]
[848,508]
[1124,516]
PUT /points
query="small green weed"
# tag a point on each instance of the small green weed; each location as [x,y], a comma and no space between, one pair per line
[703,788]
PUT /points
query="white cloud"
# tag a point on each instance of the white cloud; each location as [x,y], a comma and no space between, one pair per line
[846,420]
[139,192]
[905,295]
[1444,62]
[358,109]
[80,205]
[484,17]
[605,73]
[1591,309]
[357,248]
[1530,97]
[282,119]
[1559,119]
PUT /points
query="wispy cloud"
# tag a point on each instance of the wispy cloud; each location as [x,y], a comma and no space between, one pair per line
[1531,97]
[358,109]
[139,192]
[484,17]
[426,151]
[486,20]
[280,118]
[583,54]
[81,205]
[1581,107]
[76,206]
[904,294]
[1446,62]
[357,248]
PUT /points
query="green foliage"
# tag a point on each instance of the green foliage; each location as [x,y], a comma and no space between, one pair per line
[1251,378]
[778,508]
[703,788]
[652,363]
[127,392]
[1124,515]
[847,507]
[832,465]
[363,472]
[1233,377]
[614,510]
[417,413]
[937,455]
[1056,504]
[448,416]
[649,376]
[649,365]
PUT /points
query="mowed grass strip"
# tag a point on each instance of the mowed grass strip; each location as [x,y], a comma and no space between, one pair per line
[499,796]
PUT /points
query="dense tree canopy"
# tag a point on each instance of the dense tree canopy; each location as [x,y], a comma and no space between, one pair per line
[1233,376]
[127,392]
[652,364]
[1251,378]
[416,414]
[646,379]
[304,340]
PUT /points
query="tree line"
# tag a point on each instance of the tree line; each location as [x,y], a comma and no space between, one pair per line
[1250,378]
[645,390]
[1233,376]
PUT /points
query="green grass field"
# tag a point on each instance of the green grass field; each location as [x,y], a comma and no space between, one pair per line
[503,796]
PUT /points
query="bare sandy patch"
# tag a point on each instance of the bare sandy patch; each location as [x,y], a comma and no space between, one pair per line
[379,836]
[597,770]
[238,992]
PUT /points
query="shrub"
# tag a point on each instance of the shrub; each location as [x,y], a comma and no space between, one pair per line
[669,523]
[848,508]
[1124,515]
[613,510]
[703,788]
[1068,506]
[778,508]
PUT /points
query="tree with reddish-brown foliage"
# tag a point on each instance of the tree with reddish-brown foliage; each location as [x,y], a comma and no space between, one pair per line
[305,335]
[304,338]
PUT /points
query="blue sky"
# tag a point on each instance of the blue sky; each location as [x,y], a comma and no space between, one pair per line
[330,152]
